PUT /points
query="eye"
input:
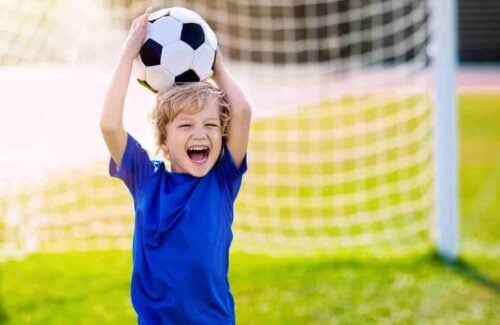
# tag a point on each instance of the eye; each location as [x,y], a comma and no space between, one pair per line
[213,125]
[184,125]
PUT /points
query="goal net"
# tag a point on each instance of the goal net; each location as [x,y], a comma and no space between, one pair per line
[341,148]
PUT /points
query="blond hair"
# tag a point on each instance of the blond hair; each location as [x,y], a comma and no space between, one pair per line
[187,98]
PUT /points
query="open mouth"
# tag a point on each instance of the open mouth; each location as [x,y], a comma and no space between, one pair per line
[198,154]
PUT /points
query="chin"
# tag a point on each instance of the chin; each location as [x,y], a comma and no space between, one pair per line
[200,171]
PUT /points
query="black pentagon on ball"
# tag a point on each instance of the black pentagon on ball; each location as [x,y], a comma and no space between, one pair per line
[145,84]
[187,76]
[165,15]
[151,53]
[193,35]
[213,63]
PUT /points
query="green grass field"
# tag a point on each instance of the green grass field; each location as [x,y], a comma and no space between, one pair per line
[93,287]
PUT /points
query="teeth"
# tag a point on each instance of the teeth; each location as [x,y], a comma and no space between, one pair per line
[198,148]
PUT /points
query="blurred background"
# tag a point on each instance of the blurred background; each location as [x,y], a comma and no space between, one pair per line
[335,222]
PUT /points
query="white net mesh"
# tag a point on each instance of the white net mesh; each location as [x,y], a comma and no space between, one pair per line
[340,155]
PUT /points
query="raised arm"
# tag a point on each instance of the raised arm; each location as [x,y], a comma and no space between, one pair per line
[241,112]
[111,122]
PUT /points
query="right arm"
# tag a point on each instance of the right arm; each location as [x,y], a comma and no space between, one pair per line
[111,122]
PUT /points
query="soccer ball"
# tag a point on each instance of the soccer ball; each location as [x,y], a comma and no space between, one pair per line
[179,47]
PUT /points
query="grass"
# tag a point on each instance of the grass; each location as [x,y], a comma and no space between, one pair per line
[93,287]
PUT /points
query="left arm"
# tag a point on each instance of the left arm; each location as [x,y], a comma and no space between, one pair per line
[241,112]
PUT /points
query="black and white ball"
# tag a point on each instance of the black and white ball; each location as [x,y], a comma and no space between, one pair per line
[179,47]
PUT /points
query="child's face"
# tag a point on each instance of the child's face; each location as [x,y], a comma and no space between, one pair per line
[194,141]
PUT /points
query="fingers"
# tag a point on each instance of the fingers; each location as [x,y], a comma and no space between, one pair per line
[142,20]
[147,13]
[143,17]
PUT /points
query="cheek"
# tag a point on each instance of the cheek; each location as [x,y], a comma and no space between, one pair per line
[178,136]
[216,132]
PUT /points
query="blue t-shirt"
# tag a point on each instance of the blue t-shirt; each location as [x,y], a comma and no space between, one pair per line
[181,238]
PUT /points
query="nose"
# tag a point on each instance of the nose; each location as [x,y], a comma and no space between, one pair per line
[199,134]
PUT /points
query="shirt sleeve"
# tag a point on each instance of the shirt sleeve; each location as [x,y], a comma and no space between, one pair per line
[135,168]
[230,174]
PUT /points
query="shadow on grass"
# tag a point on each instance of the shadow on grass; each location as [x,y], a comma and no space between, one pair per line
[465,269]
[3,314]
[418,264]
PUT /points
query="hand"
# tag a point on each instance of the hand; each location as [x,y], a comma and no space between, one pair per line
[136,35]
[219,64]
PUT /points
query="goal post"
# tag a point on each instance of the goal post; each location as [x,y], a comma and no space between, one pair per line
[445,129]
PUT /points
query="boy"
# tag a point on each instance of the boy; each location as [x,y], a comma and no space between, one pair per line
[183,217]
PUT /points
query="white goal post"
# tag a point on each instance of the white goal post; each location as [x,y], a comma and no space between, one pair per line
[445,61]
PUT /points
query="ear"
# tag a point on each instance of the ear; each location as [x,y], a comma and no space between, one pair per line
[165,150]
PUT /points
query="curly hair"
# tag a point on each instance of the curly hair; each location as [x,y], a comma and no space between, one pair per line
[187,98]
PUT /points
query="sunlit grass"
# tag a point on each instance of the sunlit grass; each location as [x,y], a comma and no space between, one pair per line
[93,287]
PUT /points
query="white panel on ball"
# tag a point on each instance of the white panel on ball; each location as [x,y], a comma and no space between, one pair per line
[158,14]
[203,59]
[159,78]
[210,38]
[165,30]
[139,68]
[177,57]
[185,15]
